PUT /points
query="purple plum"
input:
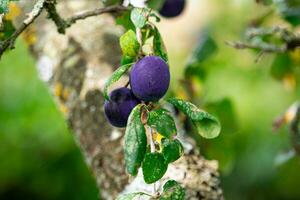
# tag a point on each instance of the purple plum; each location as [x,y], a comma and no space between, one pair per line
[172,8]
[150,78]
[120,104]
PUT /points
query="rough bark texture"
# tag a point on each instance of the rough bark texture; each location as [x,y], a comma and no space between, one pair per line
[79,63]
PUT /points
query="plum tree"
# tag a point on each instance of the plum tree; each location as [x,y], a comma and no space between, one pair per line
[120,104]
[172,8]
[150,140]
[150,78]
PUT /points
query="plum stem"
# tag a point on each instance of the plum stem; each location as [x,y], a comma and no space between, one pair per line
[127,84]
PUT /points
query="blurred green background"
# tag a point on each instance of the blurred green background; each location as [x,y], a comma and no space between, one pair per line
[39,159]
[38,156]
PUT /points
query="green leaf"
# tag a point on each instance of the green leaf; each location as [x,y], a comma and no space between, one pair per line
[154,167]
[290,10]
[139,17]
[129,44]
[4,6]
[207,125]
[7,29]
[126,60]
[293,19]
[111,2]
[125,21]
[155,16]
[115,77]
[169,184]
[135,141]
[281,66]
[172,191]
[265,2]
[158,46]
[204,49]
[171,150]
[224,110]
[195,70]
[155,4]
[130,196]
[163,122]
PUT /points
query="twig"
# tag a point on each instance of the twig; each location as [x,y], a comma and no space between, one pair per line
[63,24]
[290,40]
[98,11]
[259,56]
[36,11]
[266,48]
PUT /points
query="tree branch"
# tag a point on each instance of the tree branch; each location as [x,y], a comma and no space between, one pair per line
[263,47]
[99,11]
[36,11]
[61,24]
[290,40]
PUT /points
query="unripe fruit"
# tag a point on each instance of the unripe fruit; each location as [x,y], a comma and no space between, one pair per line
[172,8]
[120,104]
[150,78]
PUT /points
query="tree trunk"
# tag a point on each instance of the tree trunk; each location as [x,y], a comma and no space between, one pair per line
[76,66]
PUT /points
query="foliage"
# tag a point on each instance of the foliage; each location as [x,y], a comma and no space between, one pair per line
[129,44]
[4,6]
[148,41]
[162,122]
[7,29]
[172,191]
[154,167]
[115,77]
[207,125]
[135,141]
[172,150]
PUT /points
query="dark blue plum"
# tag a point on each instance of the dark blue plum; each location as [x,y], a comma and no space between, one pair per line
[120,104]
[172,8]
[150,78]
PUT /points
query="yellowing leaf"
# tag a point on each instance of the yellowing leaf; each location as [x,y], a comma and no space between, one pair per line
[129,44]
[29,35]
[14,11]
[295,55]
[289,81]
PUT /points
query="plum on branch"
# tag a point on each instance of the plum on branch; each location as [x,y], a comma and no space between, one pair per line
[150,78]
[120,104]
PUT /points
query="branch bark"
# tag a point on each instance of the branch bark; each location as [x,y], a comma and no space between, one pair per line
[63,24]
